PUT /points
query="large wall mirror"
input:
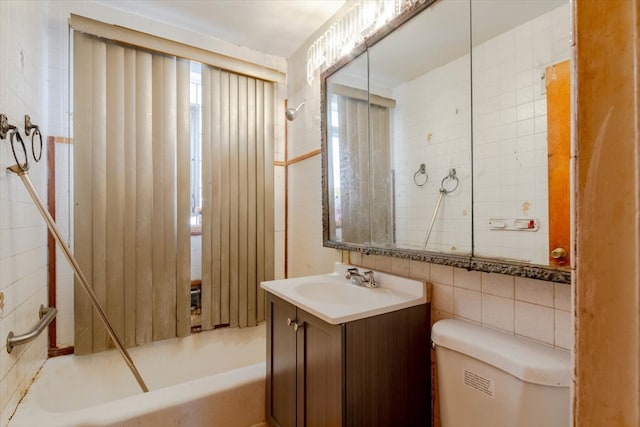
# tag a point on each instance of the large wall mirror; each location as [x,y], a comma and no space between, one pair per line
[446,138]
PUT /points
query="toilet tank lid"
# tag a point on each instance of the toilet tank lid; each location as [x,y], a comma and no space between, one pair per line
[523,358]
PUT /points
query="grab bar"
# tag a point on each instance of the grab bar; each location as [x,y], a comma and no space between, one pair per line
[53,228]
[47,314]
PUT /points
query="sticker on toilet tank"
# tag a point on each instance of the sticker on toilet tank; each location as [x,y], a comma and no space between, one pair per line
[478,382]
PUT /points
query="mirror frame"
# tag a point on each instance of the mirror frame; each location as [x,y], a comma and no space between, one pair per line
[469,262]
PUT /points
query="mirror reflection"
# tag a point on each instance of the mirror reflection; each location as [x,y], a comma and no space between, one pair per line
[425,68]
[445,140]
[414,146]
[521,129]
[347,127]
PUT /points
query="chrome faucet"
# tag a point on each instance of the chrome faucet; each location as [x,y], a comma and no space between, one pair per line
[365,279]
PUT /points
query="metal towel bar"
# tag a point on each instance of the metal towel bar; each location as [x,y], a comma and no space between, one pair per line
[47,314]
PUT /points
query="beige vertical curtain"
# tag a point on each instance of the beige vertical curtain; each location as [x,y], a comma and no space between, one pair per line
[237,212]
[382,198]
[365,171]
[131,186]
[353,136]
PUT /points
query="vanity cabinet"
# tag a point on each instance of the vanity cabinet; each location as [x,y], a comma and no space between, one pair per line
[368,372]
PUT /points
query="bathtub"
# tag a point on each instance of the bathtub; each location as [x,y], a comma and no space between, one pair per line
[213,378]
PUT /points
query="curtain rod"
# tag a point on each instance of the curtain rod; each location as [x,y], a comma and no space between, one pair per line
[175,48]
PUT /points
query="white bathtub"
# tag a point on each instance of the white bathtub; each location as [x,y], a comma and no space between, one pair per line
[214,378]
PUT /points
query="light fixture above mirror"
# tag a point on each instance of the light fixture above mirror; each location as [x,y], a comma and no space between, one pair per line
[362,19]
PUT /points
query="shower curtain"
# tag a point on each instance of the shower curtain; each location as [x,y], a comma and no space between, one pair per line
[132,232]
[365,171]
[237,217]
[131,187]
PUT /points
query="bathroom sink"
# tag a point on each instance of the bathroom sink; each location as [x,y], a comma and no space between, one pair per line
[334,292]
[334,299]
[329,292]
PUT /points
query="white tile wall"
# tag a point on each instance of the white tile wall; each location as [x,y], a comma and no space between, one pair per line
[499,285]
[535,321]
[306,253]
[534,291]
[23,272]
[467,304]
[497,312]
[431,124]
[534,309]
[471,280]
[510,133]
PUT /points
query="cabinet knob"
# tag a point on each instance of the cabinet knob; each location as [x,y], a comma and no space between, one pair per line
[293,323]
[558,253]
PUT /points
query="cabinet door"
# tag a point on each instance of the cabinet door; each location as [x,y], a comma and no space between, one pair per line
[281,363]
[387,370]
[320,369]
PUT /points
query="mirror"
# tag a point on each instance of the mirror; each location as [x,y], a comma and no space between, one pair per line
[520,49]
[347,127]
[435,139]
[425,68]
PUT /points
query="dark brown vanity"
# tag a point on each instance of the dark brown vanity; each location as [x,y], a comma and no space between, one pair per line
[369,372]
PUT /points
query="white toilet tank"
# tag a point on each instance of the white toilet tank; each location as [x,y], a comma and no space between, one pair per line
[488,378]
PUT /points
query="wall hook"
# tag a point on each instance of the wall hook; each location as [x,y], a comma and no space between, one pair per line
[28,125]
[5,127]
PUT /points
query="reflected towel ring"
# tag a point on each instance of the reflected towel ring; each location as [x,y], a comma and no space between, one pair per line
[451,177]
[28,126]
[421,171]
[33,150]
[14,134]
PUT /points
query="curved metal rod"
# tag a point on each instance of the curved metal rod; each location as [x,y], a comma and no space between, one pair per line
[450,177]
[433,219]
[47,314]
[53,228]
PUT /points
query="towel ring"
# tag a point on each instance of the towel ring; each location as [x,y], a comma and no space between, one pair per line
[421,171]
[33,150]
[451,177]
[15,134]
[28,126]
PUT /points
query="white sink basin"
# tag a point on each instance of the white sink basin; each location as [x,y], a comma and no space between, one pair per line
[334,299]
[335,292]
[329,292]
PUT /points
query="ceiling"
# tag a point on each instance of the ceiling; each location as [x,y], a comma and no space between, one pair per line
[276,27]
[444,32]
[436,36]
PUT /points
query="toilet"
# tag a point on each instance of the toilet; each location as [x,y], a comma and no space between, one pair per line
[488,378]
